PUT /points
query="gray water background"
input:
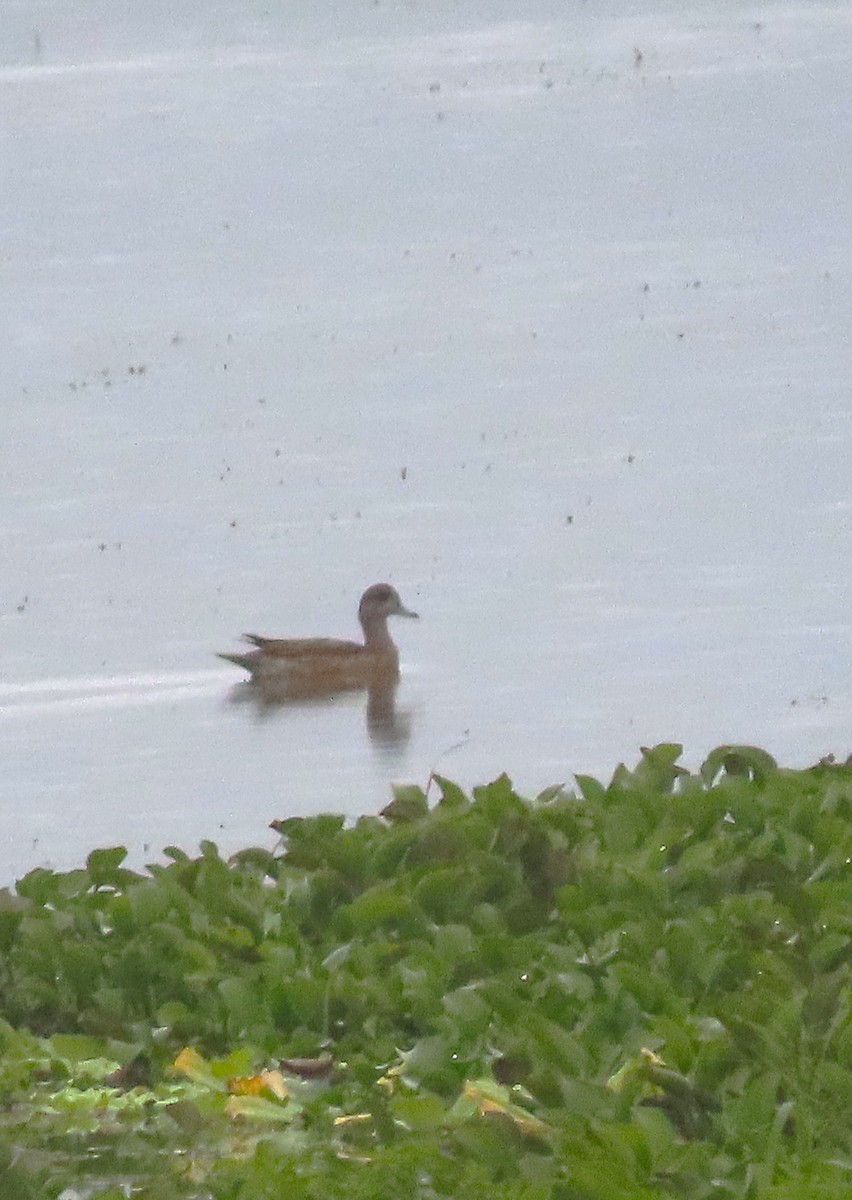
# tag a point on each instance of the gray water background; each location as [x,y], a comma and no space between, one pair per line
[543,318]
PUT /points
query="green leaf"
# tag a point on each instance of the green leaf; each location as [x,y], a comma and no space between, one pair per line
[103,866]
[40,885]
[739,761]
[258,1108]
[498,800]
[419,1112]
[453,943]
[244,1006]
[467,1008]
[379,905]
[590,788]
[452,796]
[409,804]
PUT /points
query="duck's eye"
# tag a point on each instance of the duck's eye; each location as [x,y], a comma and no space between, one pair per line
[382,593]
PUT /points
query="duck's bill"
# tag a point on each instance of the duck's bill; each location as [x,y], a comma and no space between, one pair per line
[402,611]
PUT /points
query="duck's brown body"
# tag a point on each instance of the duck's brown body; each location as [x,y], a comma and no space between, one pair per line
[317,665]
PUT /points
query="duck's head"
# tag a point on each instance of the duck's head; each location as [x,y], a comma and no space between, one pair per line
[381,601]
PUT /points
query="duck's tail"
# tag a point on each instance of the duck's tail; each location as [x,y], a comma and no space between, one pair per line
[246,661]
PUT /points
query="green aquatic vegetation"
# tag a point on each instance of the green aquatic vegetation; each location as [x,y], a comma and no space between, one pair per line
[639,988]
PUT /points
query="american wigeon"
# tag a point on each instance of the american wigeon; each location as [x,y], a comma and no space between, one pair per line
[326,664]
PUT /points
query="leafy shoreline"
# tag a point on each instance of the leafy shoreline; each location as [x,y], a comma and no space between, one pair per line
[634,989]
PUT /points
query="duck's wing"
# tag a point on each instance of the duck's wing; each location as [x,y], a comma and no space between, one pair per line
[295,648]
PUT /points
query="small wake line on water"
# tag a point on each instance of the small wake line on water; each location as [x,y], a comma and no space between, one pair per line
[217,58]
[107,683]
[99,692]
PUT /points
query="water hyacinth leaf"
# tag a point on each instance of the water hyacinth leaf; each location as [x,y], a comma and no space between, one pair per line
[258,857]
[575,982]
[630,1076]
[830,951]
[655,772]
[189,956]
[445,839]
[557,1045]
[337,957]
[349,853]
[40,886]
[80,968]
[195,1067]
[176,1019]
[624,828]
[175,853]
[103,866]
[12,909]
[467,1008]
[686,1105]
[409,804]
[498,799]
[239,1062]
[426,1057]
[487,1098]
[188,1116]
[708,923]
[258,1108]
[556,791]
[753,1116]
[658,769]
[492,1143]
[307,838]
[452,796]
[246,1009]
[443,893]
[377,906]
[503,998]
[590,788]
[255,1085]
[749,762]
[651,990]
[75,1048]
[305,997]
[147,903]
[588,1099]
[419,1112]
[659,1135]
[453,943]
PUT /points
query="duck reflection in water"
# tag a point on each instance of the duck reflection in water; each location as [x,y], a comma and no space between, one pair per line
[287,671]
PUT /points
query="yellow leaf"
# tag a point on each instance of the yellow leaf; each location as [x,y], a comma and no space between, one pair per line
[255,1085]
[274,1082]
[187,1060]
[490,1101]
[190,1063]
[245,1085]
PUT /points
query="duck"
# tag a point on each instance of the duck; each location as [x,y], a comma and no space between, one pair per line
[318,665]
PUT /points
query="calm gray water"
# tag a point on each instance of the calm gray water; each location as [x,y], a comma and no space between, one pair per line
[546,321]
